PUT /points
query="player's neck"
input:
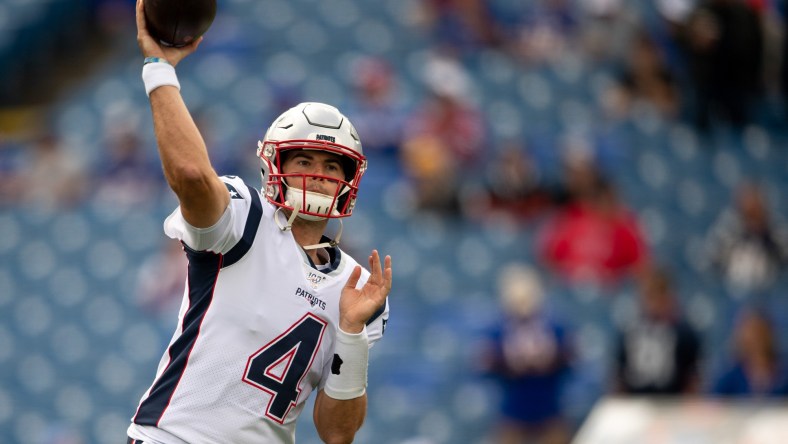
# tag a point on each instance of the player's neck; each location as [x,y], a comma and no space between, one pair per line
[319,256]
[310,233]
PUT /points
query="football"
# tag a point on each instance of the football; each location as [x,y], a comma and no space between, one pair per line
[178,22]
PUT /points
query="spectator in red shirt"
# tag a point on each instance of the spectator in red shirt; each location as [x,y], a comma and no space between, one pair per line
[594,238]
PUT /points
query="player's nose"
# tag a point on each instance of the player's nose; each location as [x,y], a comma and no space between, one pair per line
[319,170]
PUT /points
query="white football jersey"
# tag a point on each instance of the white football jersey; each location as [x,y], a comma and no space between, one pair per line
[255,335]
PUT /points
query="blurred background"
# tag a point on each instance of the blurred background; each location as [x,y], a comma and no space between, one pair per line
[585,201]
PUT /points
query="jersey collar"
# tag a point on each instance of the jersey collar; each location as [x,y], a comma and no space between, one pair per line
[334,257]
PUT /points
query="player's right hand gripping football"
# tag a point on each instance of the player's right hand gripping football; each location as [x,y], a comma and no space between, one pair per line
[151,48]
[357,305]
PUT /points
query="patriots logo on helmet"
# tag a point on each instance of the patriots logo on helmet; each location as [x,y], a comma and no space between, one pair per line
[331,139]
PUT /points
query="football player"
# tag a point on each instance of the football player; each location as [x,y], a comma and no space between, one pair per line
[273,309]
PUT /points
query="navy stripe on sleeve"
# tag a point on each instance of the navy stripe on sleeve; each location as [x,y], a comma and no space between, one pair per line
[250,230]
[377,313]
[202,276]
[204,268]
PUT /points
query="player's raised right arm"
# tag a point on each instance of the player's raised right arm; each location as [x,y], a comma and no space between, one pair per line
[202,195]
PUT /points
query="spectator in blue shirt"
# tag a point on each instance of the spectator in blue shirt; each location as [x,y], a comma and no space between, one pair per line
[528,356]
[756,369]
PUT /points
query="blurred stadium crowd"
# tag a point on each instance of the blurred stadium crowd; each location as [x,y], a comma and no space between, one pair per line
[581,197]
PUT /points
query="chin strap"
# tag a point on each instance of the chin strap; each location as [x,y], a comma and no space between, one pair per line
[289,226]
[331,243]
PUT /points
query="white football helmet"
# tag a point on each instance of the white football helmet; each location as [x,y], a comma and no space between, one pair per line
[311,126]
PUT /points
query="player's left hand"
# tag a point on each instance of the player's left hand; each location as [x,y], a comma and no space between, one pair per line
[357,305]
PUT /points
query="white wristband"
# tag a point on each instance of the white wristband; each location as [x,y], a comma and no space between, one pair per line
[159,74]
[348,378]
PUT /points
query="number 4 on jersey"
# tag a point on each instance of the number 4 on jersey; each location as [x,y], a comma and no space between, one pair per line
[280,365]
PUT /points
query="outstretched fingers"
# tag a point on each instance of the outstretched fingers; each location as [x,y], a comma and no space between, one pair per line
[387,274]
[355,275]
[374,266]
[380,274]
